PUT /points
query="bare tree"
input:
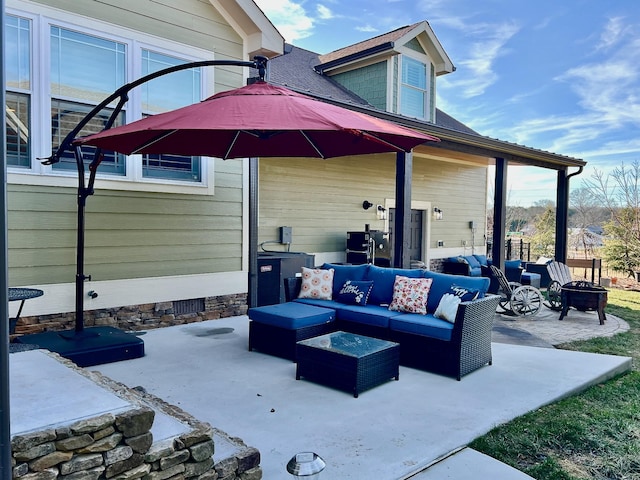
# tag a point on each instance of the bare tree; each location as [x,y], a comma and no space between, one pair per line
[619,193]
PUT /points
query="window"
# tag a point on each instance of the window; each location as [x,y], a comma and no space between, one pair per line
[165,93]
[58,70]
[413,92]
[84,70]
[17,55]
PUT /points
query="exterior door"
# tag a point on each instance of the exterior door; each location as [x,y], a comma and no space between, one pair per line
[415,237]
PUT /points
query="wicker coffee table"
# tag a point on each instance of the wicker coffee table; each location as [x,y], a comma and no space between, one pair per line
[347,361]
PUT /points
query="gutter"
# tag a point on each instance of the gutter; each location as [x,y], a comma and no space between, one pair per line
[384,47]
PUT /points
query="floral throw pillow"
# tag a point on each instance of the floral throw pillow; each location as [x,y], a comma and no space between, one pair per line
[316,283]
[410,294]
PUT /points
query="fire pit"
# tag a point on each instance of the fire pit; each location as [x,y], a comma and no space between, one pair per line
[584,296]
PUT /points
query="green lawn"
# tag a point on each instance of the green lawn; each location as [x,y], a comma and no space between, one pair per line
[594,435]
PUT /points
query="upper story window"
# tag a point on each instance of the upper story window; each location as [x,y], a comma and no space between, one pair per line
[78,68]
[414,94]
[18,96]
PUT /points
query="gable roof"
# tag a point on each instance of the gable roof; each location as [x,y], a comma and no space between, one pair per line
[296,69]
[389,43]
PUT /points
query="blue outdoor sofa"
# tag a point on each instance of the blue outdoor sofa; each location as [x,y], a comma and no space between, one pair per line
[426,342]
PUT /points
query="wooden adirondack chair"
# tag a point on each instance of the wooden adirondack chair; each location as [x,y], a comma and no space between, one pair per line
[560,275]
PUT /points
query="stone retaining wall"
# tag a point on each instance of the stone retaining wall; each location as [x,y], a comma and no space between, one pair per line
[120,446]
[136,317]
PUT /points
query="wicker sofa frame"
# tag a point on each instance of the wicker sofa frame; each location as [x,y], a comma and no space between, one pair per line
[468,349]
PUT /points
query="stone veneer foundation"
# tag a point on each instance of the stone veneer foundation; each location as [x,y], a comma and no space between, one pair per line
[120,445]
[136,317]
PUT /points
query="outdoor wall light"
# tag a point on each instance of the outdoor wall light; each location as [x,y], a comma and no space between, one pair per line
[307,465]
[381,212]
[437,213]
[367,205]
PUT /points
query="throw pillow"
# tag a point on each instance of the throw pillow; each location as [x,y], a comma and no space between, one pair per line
[316,283]
[355,292]
[448,307]
[465,294]
[410,294]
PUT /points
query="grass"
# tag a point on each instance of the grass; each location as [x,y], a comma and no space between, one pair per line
[593,435]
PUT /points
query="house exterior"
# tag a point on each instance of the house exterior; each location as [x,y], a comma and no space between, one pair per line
[158,229]
[168,238]
[393,76]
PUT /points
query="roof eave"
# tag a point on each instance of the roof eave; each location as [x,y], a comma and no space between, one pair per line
[354,57]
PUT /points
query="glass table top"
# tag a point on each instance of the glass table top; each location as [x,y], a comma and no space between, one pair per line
[347,344]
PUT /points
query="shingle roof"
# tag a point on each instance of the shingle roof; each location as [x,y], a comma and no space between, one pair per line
[295,69]
[367,44]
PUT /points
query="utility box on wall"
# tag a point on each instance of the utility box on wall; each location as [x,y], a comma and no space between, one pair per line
[273,268]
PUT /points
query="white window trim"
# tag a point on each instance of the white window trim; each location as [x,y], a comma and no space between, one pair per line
[42,18]
[428,108]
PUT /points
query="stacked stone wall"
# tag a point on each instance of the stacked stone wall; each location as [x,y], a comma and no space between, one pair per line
[136,317]
[120,446]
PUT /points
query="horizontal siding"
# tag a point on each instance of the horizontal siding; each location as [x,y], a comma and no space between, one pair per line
[322,199]
[136,234]
[128,234]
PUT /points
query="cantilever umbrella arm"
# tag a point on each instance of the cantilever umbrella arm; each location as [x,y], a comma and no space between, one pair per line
[122,96]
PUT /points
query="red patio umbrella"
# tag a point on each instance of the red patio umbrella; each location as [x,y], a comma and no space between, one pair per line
[259,120]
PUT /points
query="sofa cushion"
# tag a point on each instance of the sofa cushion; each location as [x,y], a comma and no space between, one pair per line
[354,292]
[410,294]
[383,279]
[482,260]
[320,303]
[512,263]
[442,282]
[472,261]
[426,325]
[291,315]
[342,273]
[316,283]
[373,315]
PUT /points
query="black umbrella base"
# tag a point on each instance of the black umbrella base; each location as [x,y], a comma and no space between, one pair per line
[91,346]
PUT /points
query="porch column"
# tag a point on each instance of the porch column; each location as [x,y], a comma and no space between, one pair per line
[404,169]
[562,216]
[252,291]
[499,212]
[5,417]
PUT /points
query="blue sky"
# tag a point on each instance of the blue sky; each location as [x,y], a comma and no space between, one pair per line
[561,76]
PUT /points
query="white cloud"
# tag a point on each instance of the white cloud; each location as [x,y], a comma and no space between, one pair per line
[324,13]
[612,33]
[366,28]
[290,18]
[487,43]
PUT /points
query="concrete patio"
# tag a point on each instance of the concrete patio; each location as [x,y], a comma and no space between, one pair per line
[390,432]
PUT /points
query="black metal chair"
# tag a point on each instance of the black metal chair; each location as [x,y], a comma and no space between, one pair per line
[517,299]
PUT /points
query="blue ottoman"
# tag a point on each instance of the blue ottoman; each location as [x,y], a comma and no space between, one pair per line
[528,278]
[275,329]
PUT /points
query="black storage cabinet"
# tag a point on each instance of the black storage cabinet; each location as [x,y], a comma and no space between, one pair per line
[273,268]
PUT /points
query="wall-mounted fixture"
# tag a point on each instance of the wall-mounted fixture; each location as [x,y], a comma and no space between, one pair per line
[437,213]
[367,205]
[92,294]
[381,212]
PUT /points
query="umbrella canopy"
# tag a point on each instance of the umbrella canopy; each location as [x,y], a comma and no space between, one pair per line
[259,120]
